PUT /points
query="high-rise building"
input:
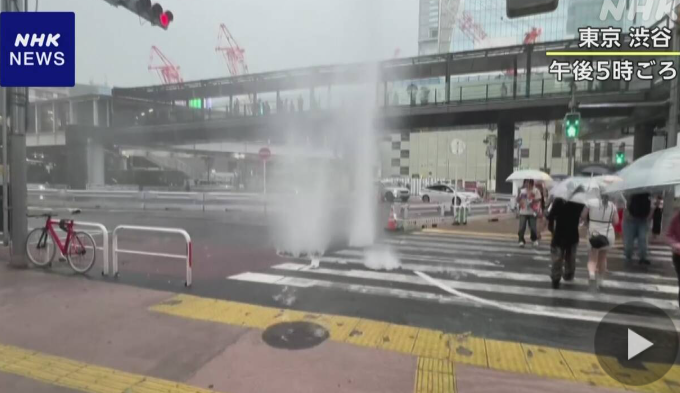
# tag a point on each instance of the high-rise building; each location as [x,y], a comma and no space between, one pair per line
[484,24]
[428,27]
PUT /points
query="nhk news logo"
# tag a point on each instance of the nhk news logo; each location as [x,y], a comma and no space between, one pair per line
[37,49]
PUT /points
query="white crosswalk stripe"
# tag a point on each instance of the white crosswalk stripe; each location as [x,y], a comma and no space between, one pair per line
[485,273]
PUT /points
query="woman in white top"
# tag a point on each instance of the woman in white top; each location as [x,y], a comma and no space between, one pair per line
[601,215]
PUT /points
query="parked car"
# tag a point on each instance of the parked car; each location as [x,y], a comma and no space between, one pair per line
[442,193]
[392,192]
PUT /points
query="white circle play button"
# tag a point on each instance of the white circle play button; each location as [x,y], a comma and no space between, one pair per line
[636,343]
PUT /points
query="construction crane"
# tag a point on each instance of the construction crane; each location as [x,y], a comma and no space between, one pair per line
[233,54]
[167,71]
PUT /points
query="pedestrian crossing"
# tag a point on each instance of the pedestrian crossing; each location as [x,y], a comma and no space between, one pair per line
[485,273]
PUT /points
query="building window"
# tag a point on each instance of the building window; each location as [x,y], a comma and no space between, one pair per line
[404,171]
[396,145]
[406,136]
[610,152]
[573,150]
[585,153]
[598,146]
[405,153]
[557,150]
[396,162]
[525,153]
[434,33]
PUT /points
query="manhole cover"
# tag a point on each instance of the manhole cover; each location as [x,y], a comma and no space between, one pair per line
[295,335]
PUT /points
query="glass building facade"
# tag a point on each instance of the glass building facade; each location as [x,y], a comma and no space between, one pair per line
[483,24]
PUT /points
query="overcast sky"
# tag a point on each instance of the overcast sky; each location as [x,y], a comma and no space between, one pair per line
[113,47]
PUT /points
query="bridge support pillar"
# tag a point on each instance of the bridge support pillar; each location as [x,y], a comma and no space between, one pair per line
[447,79]
[505,156]
[643,137]
[84,158]
[95,162]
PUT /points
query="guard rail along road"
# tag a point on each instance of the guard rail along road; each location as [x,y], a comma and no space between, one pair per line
[187,256]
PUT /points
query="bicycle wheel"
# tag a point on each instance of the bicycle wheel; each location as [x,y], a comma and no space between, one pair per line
[81,252]
[39,247]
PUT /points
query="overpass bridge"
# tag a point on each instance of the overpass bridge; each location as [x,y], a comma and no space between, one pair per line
[466,88]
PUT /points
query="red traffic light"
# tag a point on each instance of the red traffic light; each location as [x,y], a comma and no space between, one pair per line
[166,18]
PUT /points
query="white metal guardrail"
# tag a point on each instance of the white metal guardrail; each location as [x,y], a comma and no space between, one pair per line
[105,240]
[187,257]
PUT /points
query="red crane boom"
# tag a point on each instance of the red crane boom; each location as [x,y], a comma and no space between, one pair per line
[233,54]
[167,71]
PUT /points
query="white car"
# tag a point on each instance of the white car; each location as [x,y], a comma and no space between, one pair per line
[442,193]
[391,192]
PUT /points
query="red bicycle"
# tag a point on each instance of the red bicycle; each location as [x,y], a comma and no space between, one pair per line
[78,247]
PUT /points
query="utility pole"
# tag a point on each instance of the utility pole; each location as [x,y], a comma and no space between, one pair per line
[14,134]
[672,129]
[546,136]
[570,147]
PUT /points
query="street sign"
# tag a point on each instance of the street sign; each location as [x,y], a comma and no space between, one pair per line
[457,147]
[265,153]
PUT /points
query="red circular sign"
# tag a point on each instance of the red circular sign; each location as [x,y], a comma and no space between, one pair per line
[265,153]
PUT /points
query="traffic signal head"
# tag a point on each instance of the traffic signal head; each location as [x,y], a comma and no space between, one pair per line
[620,158]
[154,13]
[572,125]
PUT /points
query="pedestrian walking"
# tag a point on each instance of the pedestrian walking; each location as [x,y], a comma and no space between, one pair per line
[601,215]
[657,217]
[636,227]
[673,240]
[529,200]
[541,220]
[563,222]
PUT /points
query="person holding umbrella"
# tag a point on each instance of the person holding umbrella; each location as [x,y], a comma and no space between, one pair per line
[601,215]
[563,221]
[673,240]
[528,200]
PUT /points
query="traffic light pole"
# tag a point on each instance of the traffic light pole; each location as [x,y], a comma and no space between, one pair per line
[14,142]
[672,130]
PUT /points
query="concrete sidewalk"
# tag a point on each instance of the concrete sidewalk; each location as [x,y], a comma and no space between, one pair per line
[65,334]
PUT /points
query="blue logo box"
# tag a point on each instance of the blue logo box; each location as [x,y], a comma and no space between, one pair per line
[37,49]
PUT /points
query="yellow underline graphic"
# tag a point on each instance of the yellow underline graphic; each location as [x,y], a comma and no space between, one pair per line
[611,54]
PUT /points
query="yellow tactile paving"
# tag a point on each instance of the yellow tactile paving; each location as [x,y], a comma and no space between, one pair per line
[431,344]
[635,377]
[427,344]
[434,376]
[81,376]
[546,362]
[367,333]
[506,356]
[466,349]
[399,338]
[586,369]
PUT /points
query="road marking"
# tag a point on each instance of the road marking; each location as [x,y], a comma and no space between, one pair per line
[458,283]
[459,299]
[59,371]
[436,350]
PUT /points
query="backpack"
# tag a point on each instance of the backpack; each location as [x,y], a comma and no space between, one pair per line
[640,206]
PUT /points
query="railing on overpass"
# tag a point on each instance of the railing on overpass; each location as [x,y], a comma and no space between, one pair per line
[432,66]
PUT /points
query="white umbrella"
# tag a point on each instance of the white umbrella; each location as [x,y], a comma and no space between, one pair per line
[529,174]
[573,189]
[653,171]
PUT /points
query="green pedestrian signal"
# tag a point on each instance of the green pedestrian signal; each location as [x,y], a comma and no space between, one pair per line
[572,125]
[620,158]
